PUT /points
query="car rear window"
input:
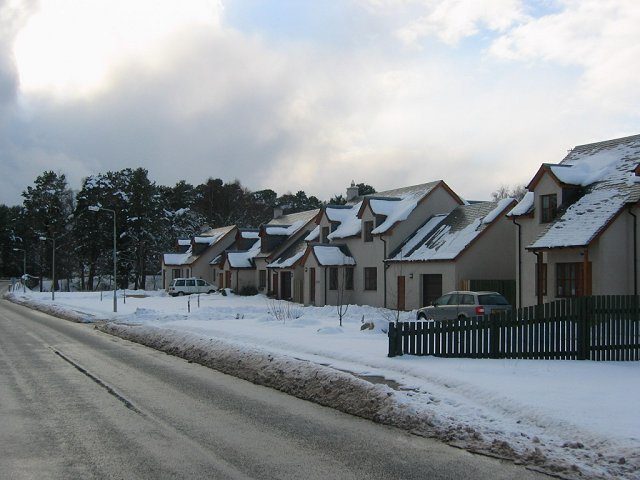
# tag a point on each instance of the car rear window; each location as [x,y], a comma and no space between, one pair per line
[492,299]
[179,283]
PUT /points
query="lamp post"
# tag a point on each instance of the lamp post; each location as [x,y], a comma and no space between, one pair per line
[24,267]
[53,266]
[95,208]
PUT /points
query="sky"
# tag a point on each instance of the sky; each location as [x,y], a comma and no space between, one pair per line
[309,95]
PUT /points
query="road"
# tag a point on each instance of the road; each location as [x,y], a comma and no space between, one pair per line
[78,403]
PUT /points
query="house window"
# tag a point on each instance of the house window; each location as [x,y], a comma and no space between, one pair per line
[175,273]
[370,278]
[544,280]
[325,234]
[569,280]
[262,280]
[348,281]
[368,228]
[548,208]
[333,278]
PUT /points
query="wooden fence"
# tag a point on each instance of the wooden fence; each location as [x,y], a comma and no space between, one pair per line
[587,328]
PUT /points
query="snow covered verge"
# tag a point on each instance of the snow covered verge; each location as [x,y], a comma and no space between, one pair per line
[575,419]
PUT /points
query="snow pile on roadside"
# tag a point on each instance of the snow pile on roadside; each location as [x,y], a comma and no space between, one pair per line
[51,309]
[575,417]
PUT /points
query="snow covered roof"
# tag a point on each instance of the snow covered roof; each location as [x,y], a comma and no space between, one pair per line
[292,218]
[202,241]
[291,255]
[286,230]
[445,237]
[313,234]
[250,234]
[347,218]
[606,171]
[524,206]
[396,205]
[185,258]
[332,255]
[243,259]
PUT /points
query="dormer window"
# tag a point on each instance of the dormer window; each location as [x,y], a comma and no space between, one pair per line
[548,208]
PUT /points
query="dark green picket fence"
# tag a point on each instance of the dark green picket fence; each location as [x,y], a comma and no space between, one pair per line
[588,328]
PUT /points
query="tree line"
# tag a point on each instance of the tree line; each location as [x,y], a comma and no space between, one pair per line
[149,217]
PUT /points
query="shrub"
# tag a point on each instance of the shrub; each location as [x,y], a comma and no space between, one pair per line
[247,291]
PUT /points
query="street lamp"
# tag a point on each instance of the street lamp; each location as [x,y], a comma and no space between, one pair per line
[95,208]
[53,266]
[24,267]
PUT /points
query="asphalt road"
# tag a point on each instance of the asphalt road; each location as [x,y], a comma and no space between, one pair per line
[78,403]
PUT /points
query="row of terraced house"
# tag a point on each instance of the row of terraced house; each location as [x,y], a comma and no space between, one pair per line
[574,233]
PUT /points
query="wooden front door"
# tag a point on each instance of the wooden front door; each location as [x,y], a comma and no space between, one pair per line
[285,279]
[275,285]
[312,285]
[228,279]
[431,288]
[401,292]
[221,280]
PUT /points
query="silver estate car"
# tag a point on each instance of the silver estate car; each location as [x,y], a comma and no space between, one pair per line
[463,305]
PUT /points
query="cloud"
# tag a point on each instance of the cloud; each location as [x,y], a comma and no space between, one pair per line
[216,101]
[453,20]
[600,37]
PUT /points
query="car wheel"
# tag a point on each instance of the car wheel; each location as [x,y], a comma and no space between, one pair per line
[422,316]
[211,291]
[180,294]
[462,316]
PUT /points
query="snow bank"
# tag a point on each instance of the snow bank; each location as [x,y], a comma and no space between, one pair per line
[579,418]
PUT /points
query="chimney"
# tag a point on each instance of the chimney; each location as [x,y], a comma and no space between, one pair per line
[352,191]
[277,212]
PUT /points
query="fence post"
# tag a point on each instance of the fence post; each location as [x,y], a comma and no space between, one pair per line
[494,335]
[392,339]
[400,333]
[581,328]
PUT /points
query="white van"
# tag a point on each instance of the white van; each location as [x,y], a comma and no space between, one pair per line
[187,286]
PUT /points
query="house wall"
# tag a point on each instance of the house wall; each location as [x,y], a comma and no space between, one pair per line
[320,299]
[491,257]
[372,254]
[611,254]
[530,231]
[438,202]
[200,268]
[413,286]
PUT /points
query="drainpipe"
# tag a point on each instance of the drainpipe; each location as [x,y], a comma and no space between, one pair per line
[635,251]
[384,270]
[539,279]
[237,280]
[513,219]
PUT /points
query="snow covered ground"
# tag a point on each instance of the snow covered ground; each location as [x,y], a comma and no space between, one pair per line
[582,417]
